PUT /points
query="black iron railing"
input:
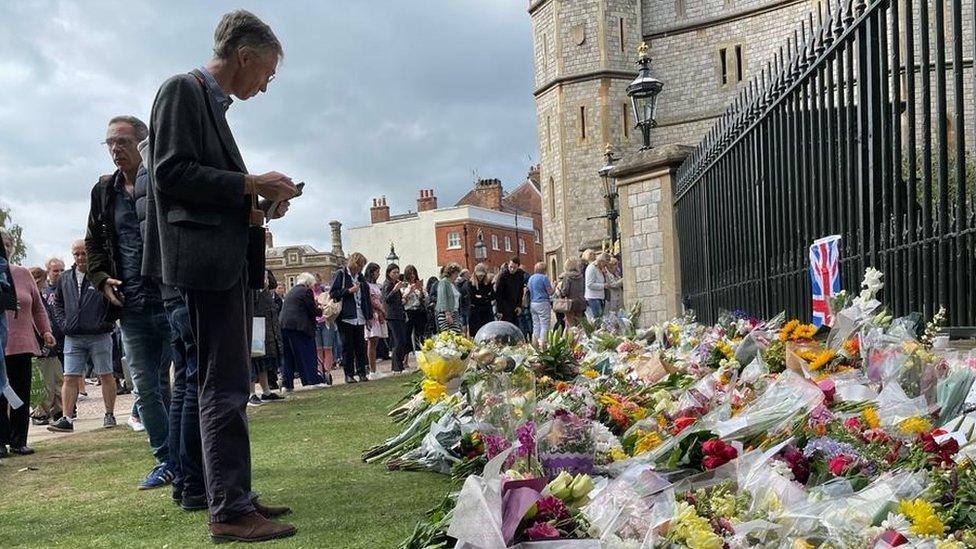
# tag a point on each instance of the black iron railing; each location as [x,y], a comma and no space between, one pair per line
[857,127]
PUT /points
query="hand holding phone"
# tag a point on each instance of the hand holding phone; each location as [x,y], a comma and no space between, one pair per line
[272,212]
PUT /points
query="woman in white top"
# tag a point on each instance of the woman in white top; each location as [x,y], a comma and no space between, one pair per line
[376,326]
[596,286]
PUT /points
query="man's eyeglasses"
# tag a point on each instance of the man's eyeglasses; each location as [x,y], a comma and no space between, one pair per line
[120,141]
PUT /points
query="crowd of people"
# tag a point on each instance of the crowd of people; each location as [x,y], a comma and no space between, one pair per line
[168,296]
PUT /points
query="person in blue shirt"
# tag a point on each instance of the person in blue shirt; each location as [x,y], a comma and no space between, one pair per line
[540,303]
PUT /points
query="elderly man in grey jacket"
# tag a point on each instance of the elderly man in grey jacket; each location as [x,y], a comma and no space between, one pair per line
[204,236]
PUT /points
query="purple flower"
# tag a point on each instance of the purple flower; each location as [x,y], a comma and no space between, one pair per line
[495,444]
[526,437]
[797,462]
[552,508]
[829,448]
[541,530]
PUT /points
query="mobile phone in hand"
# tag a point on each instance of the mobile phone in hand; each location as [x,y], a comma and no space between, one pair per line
[276,203]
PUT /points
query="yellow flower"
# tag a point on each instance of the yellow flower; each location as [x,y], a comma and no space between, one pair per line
[801,544]
[428,345]
[787,330]
[646,441]
[616,454]
[692,530]
[591,373]
[871,418]
[914,425]
[433,391]
[922,516]
[724,348]
[949,544]
[822,359]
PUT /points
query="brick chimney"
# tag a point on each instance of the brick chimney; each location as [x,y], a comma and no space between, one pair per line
[427,201]
[268,240]
[380,212]
[336,238]
[489,193]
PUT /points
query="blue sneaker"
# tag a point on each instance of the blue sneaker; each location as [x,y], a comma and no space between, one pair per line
[160,476]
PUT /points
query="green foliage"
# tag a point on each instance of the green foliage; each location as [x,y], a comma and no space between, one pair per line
[19,253]
[557,359]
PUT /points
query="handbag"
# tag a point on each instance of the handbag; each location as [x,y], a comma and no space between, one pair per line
[258,348]
[562,305]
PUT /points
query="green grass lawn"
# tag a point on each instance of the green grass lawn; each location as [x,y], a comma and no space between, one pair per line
[305,454]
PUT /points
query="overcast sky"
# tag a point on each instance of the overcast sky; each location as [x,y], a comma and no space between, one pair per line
[374,97]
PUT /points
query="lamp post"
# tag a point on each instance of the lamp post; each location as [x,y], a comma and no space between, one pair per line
[480,250]
[643,92]
[393,257]
[610,190]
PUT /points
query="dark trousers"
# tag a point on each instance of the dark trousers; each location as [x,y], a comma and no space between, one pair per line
[14,423]
[353,348]
[300,357]
[508,313]
[416,325]
[221,326]
[185,449]
[480,315]
[400,341]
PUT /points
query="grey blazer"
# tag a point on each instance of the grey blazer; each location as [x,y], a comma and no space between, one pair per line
[196,213]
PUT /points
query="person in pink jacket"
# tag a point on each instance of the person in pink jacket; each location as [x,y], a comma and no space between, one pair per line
[23,328]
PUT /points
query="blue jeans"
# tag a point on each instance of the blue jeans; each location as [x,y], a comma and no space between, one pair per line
[595,307]
[146,337]
[185,447]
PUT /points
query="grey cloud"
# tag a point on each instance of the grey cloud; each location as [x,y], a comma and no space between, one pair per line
[374,97]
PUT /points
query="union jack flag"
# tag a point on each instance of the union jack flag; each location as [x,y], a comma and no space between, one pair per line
[824,276]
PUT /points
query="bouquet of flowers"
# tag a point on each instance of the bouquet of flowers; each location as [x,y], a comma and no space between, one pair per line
[442,359]
[566,444]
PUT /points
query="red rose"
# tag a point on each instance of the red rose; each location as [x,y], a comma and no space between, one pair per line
[713,446]
[711,462]
[893,538]
[852,424]
[682,423]
[729,452]
[838,464]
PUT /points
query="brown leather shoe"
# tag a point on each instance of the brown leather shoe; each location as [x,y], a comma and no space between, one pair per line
[249,527]
[270,512]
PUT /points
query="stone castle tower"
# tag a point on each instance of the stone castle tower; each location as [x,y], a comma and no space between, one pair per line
[585,55]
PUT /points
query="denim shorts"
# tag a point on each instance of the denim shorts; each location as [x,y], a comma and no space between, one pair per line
[325,336]
[79,349]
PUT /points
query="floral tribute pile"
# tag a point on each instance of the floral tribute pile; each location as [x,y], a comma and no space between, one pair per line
[747,433]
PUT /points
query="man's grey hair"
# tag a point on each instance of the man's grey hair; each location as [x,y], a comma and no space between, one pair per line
[140,127]
[305,279]
[241,28]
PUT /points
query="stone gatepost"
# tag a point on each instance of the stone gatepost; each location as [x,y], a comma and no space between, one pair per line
[649,241]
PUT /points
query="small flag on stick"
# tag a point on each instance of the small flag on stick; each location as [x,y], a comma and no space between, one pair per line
[824,276]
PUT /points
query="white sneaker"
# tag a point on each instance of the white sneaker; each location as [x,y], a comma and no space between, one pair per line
[135,424]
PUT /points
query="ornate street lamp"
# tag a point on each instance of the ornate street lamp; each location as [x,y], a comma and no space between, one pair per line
[610,194]
[393,257]
[643,92]
[480,250]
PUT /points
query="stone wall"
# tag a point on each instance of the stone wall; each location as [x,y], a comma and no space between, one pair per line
[649,249]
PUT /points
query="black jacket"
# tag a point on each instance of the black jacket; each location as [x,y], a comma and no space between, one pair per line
[339,290]
[80,313]
[197,213]
[8,295]
[483,296]
[394,302]
[509,288]
[300,310]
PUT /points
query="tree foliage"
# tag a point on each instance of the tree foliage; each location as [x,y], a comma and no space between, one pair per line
[19,253]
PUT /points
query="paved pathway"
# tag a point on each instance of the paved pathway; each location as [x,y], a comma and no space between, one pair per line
[91,411]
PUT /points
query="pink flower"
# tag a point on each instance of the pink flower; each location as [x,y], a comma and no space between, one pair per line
[717,453]
[552,508]
[541,530]
[682,423]
[852,424]
[839,464]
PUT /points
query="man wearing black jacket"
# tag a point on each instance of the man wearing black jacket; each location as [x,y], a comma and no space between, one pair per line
[204,236]
[509,289]
[114,242]
[81,312]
